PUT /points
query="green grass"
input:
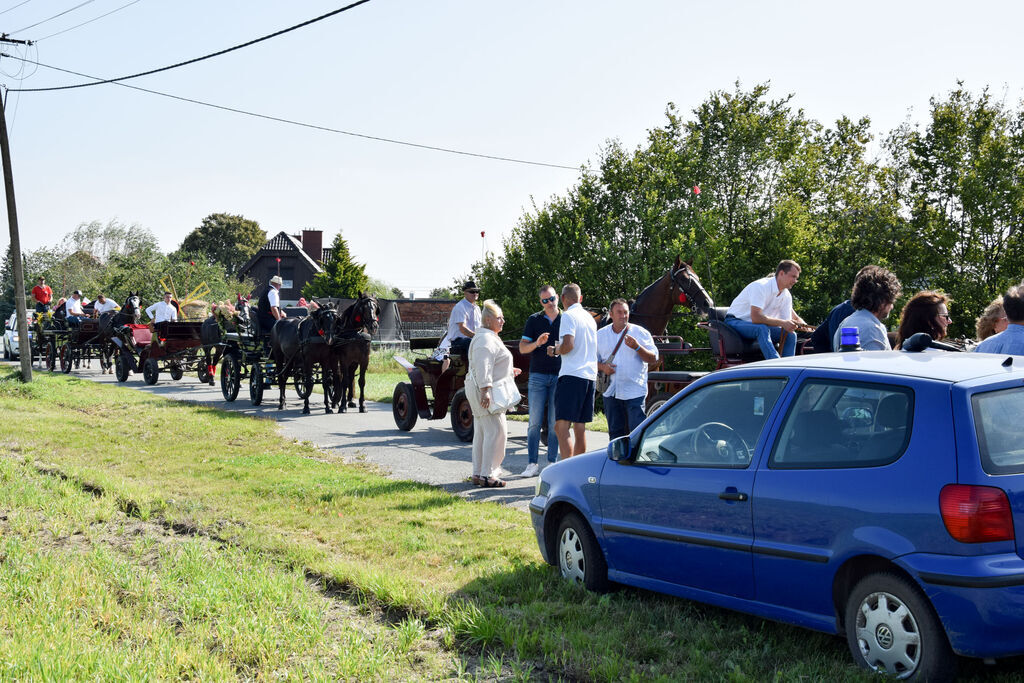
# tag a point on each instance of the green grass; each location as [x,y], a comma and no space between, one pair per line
[235,520]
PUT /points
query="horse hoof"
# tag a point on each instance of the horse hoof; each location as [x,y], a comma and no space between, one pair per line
[328,411]
[362,409]
[305,411]
[351,404]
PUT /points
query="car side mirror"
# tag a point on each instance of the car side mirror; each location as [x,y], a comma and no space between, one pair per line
[619,449]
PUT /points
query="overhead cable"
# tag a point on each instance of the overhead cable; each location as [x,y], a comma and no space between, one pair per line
[83,4]
[118,9]
[301,124]
[16,6]
[204,57]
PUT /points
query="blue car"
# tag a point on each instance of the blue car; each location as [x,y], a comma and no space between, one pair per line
[873,495]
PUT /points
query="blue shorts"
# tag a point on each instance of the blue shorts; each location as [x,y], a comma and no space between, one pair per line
[574,399]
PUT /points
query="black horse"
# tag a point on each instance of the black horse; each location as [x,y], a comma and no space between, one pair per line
[111,321]
[356,325]
[299,343]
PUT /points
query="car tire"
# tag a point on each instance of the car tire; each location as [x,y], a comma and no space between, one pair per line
[892,629]
[462,416]
[403,406]
[579,556]
[7,352]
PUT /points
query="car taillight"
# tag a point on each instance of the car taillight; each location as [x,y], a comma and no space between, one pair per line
[976,514]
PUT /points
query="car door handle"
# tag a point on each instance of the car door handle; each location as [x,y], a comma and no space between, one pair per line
[732,495]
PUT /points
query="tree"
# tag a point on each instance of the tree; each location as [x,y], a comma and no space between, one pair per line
[443,293]
[342,277]
[224,239]
[383,290]
[102,242]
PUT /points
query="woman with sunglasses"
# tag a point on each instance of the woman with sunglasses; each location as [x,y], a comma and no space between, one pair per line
[926,311]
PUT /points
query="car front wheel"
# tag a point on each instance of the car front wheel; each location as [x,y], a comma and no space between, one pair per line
[892,629]
[579,556]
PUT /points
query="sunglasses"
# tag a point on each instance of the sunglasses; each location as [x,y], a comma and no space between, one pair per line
[548,299]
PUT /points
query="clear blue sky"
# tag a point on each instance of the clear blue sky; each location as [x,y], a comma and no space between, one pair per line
[541,80]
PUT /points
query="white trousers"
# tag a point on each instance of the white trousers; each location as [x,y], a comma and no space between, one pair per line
[489,436]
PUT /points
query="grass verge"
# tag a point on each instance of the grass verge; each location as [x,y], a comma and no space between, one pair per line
[257,508]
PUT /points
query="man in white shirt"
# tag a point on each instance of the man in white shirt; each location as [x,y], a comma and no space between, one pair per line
[268,306]
[627,366]
[574,393]
[765,308]
[103,305]
[163,311]
[463,321]
[73,308]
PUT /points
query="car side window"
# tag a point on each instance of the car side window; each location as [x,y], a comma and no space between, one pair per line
[716,426]
[834,424]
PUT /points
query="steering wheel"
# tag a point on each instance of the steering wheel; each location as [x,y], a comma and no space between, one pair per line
[718,441]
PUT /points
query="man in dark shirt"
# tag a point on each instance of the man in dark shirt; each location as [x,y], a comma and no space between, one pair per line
[541,331]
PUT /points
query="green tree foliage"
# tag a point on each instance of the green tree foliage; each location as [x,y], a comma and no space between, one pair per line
[383,290]
[342,277]
[444,293]
[224,239]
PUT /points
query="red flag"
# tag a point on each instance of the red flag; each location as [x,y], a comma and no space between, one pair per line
[191,263]
[482,233]
[696,189]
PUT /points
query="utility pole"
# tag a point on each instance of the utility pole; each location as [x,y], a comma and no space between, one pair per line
[24,345]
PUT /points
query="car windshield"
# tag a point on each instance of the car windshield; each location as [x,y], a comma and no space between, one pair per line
[1000,430]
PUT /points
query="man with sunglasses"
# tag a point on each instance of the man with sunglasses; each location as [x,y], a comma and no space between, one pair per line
[540,332]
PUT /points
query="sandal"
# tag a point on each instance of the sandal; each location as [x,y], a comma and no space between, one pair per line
[478,480]
[492,482]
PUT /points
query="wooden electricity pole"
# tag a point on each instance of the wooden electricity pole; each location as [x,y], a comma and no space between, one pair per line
[24,345]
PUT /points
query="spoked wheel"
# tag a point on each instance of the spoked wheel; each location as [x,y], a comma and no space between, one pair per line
[65,358]
[579,556]
[151,371]
[462,416]
[891,628]
[658,401]
[122,366]
[302,387]
[256,384]
[176,372]
[51,356]
[204,373]
[403,406]
[230,377]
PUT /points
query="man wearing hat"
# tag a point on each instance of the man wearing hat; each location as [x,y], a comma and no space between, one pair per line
[73,308]
[464,320]
[268,309]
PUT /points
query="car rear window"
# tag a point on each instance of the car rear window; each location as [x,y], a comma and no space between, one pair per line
[834,423]
[997,420]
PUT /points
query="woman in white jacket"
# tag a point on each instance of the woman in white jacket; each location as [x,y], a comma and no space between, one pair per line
[489,362]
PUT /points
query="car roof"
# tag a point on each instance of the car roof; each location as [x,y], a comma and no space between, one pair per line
[936,365]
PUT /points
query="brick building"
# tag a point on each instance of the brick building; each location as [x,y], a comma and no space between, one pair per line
[296,258]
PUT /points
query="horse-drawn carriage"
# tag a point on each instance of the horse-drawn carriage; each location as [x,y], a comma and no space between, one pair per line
[173,347]
[69,343]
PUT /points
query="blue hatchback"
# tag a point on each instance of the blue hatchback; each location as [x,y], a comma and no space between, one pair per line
[868,494]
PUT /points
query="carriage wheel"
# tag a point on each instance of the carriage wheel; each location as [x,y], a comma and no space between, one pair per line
[256,384]
[230,377]
[122,368]
[65,358]
[658,401]
[403,406]
[176,372]
[51,356]
[462,416]
[204,372]
[151,371]
[302,387]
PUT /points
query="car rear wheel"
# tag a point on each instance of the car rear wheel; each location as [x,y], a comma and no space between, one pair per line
[579,556]
[892,629]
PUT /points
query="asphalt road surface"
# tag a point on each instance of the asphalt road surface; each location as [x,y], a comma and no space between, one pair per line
[428,453]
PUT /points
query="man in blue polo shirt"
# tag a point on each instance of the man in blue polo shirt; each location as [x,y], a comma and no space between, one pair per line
[1010,340]
[540,332]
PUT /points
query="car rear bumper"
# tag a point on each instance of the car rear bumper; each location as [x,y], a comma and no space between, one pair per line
[980,600]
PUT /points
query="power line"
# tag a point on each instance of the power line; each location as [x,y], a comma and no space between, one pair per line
[86,22]
[301,124]
[83,4]
[16,6]
[200,59]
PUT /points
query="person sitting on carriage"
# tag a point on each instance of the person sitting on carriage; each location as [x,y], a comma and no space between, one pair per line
[462,324]
[73,312]
[163,312]
[764,310]
[268,308]
[104,305]
[43,295]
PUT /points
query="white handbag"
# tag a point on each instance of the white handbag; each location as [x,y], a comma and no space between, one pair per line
[504,396]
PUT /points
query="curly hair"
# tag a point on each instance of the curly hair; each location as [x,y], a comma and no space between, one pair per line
[919,315]
[874,288]
[985,325]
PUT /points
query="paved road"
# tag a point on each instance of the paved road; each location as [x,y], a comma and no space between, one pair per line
[429,453]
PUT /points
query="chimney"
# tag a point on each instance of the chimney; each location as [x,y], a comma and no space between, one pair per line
[313,244]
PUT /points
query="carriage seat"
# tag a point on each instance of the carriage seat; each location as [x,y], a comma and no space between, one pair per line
[728,347]
[141,334]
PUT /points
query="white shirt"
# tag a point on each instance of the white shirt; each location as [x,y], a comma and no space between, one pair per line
[274,297]
[73,307]
[465,312]
[764,294]
[162,312]
[582,360]
[108,305]
[630,377]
